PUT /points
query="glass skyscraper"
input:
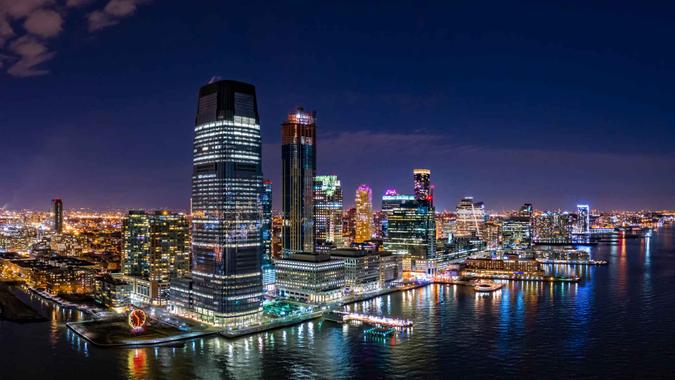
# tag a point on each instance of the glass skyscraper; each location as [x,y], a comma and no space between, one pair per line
[267,265]
[267,222]
[411,228]
[327,211]
[227,209]
[298,162]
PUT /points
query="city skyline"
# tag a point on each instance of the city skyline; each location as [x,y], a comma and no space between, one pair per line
[501,105]
[338,190]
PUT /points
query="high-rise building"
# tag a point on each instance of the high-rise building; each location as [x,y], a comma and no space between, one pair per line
[267,265]
[226,205]
[553,227]
[516,231]
[423,189]
[410,226]
[327,211]
[57,215]
[470,217]
[155,247]
[583,225]
[349,226]
[364,214]
[389,201]
[267,222]
[298,162]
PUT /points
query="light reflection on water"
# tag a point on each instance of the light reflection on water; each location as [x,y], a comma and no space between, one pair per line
[602,326]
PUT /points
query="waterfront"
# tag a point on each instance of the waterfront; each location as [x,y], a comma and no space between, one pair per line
[616,322]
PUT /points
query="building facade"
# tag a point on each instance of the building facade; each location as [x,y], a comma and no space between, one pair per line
[227,208]
[155,246]
[470,216]
[57,215]
[410,226]
[327,212]
[364,214]
[422,187]
[307,277]
[298,164]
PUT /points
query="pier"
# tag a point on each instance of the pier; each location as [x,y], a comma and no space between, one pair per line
[343,317]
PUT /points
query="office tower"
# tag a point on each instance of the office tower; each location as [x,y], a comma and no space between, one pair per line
[267,222]
[298,160]
[57,214]
[389,201]
[410,226]
[327,211]
[364,214]
[583,225]
[226,205]
[423,189]
[470,216]
[349,226]
[155,246]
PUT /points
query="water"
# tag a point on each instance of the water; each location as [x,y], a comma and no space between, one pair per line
[619,322]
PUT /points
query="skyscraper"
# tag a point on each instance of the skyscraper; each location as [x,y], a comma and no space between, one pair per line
[267,222]
[583,225]
[226,205]
[423,190]
[57,214]
[364,214]
[298,161]
[267,265]
[327,211]
[411,228]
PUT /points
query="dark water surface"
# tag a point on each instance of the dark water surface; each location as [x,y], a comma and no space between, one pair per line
[618,322]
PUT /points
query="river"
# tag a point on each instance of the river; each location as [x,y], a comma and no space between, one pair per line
[617,322]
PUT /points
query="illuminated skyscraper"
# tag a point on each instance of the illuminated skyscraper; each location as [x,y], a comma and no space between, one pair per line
[364,214]
[327,211]
[410,226]
[298,162]
[57,214]
[423,189]
[267,265]
[267,222]
[583,219]
[226,205]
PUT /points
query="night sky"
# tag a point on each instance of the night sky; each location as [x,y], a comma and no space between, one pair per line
[510,103]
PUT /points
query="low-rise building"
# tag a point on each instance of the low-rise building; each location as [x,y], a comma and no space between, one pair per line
[507,266]
[307,277]
[362,268]
[112,292]
[57,275]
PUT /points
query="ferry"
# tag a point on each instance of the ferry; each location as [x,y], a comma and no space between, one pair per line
[487,286]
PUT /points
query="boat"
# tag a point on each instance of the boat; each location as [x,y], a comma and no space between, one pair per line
[487,286]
